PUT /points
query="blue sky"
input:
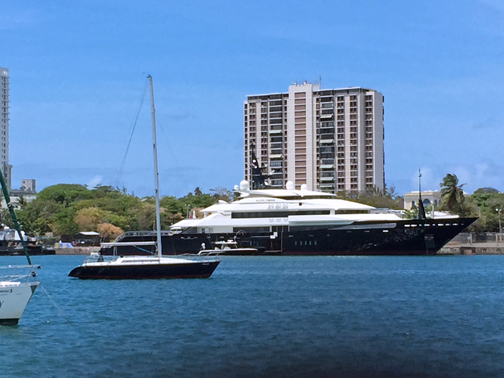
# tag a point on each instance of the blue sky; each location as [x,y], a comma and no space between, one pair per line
[78,71]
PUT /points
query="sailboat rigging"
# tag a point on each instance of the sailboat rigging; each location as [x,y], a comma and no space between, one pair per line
[16,286]
[135,267]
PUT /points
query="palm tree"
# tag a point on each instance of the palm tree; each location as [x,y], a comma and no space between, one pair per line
[452,195]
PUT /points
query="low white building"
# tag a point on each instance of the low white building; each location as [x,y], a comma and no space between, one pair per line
[27,192]
[429,197]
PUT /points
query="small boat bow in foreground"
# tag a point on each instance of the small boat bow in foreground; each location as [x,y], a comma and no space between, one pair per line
[17,286]
[17,282]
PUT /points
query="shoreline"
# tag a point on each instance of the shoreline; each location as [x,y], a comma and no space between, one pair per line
[452,248]
[76,250]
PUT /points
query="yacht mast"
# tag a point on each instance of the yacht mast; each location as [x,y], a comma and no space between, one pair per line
[156,173]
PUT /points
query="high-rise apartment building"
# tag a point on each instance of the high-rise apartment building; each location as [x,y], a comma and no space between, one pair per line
[4,126]
[331,140]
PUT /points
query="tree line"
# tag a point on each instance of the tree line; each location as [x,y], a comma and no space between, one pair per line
[487,204]
[67,209]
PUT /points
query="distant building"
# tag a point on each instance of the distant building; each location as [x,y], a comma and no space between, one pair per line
[29,185]
[429,197]
[331,140]
[4,126]
[27,192]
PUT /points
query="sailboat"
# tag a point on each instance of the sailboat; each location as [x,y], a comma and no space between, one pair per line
[136,267]
[17,282]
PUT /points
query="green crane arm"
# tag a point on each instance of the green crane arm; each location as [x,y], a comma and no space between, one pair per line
[13,215]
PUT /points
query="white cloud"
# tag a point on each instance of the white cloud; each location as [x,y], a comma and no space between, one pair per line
[479,175]
[474,176]
[96,180]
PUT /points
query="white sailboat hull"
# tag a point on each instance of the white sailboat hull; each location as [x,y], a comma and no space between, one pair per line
[14,296]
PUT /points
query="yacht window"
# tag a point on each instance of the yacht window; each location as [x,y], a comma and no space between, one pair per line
[251,230]
[277,214]
[351,212]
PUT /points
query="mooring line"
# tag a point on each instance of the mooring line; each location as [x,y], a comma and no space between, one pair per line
[56,305]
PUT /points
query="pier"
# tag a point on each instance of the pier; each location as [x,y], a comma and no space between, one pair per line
[454,248]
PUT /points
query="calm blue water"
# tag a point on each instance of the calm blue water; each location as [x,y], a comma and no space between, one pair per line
[267,317]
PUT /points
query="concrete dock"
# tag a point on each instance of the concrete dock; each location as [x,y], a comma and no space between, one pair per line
[454,248]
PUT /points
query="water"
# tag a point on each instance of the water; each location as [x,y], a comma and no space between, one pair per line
[267,316]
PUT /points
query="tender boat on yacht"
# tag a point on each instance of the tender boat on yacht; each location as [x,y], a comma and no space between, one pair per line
[302,222]
[228,247]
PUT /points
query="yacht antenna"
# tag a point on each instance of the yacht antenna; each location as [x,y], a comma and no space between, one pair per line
[421,209]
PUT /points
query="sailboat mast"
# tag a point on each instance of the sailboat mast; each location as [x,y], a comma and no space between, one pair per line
[156,173]
[13,215]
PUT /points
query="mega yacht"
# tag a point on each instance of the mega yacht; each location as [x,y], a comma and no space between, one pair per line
[304,222]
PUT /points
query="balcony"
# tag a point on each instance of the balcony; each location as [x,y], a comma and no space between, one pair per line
[327,179]
[327,166]
[326,185]
[276,115]
[278,183]
[327,141]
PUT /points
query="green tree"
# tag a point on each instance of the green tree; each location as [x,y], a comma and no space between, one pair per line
[65,194]
[452,195]
[146,216]
[484,204]
[108,231]
[70,208]
[173,205]
[90,218]
[413,212]
[36,216]
[386,198]
[62,223]
[222,194]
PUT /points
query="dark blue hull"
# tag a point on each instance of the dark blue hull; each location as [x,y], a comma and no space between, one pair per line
[9,322]
[413,237]
[189,270]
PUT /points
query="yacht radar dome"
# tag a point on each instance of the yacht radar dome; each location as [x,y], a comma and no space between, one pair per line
[289,185]
[244,186]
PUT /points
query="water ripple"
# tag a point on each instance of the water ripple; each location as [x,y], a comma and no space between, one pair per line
[268,317]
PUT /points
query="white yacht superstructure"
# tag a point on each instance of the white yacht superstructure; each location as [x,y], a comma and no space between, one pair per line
[303,222]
